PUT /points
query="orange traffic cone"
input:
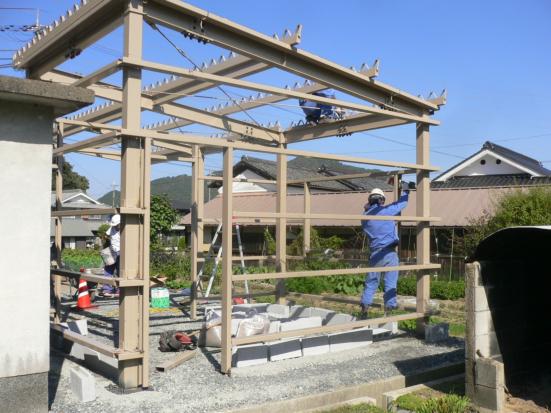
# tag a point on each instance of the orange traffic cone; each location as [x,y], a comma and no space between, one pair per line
[83,301]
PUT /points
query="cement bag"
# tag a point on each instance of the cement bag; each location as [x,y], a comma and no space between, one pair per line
[258,324]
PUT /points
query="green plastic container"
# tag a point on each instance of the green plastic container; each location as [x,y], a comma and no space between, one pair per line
[160,298]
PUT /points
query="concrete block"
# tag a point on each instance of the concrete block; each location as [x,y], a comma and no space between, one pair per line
[284,349]
[298,324]
[392,327]
[483,322]
[380,332]
[350,339]
[325,315]
[315,345]
[487,344]
[274,326]
[489,373]
[249,355]
[489,398]
[77,326]
[278,310]
[298,311]
[340,319]
[83,384]
[258,307]
[436,332]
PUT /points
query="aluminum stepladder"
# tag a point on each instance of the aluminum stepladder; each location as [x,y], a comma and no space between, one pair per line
[210,254]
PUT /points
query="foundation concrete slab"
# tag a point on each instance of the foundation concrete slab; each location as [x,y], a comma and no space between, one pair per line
[491,399]
[312,346]
[83,384]
[284,349]
[489,373]
[306,322]
[350,339]
[249,355]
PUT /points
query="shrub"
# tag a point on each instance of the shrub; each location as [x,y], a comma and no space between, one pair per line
[172,265]
[532,207]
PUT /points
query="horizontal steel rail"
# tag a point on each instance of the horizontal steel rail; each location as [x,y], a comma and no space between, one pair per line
[99,211]
[325,329]
[302,215]
[96,345]
[342,271]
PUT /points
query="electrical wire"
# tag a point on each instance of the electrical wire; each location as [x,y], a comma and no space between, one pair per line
[185,56]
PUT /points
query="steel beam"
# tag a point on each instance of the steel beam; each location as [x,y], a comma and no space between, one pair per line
[206,26]
[346,126]
[67,37]
[288,93]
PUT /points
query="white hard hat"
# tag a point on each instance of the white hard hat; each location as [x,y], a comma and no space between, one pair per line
[377,191]
[115,220]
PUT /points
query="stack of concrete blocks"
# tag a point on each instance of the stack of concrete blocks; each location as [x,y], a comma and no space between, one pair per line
[484,371]
[284,318]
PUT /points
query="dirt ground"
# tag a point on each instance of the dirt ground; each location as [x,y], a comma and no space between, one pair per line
[530,397]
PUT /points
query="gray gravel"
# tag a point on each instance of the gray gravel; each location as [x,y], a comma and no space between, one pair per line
[197,385]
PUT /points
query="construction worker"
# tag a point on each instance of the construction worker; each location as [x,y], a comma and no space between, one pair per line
[316,112]
[383,240]
[113,234]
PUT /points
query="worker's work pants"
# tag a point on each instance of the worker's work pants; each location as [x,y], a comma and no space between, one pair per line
[386,257]
[111,271]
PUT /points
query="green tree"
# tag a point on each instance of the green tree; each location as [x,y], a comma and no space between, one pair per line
[71,179]
[163,217]
[520,207]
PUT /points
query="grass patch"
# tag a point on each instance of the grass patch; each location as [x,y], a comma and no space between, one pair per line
[356,408]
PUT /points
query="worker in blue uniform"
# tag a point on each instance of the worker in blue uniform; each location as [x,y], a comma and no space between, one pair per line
[383,240]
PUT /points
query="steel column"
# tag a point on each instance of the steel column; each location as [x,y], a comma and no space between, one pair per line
[306,230]
[58,222]
[423,227]
[131,301]
[281,225]
[227,247]
[197,200]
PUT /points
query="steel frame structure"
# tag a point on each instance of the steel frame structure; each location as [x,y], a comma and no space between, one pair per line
[251,52]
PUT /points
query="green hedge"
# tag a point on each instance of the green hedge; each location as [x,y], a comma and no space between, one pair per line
[76,259]
[442,290]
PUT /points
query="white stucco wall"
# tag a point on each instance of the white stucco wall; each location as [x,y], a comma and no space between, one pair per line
[489,164]
[25,181]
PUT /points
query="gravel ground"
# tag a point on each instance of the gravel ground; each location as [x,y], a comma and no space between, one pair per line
[197,385]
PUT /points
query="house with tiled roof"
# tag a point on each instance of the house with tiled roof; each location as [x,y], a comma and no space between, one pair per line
[262,169]
[494,166]
[78,231]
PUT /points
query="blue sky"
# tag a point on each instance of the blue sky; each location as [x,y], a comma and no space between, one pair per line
[493,57]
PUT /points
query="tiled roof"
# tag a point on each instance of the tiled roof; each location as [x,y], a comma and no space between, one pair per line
[489,181]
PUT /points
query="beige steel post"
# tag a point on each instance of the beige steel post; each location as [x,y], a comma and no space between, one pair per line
[144,270]
[197,198]
[131,298]
[307,221]
[227,249]
[281,225]
[423,228]
[397,180]
[58,222]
